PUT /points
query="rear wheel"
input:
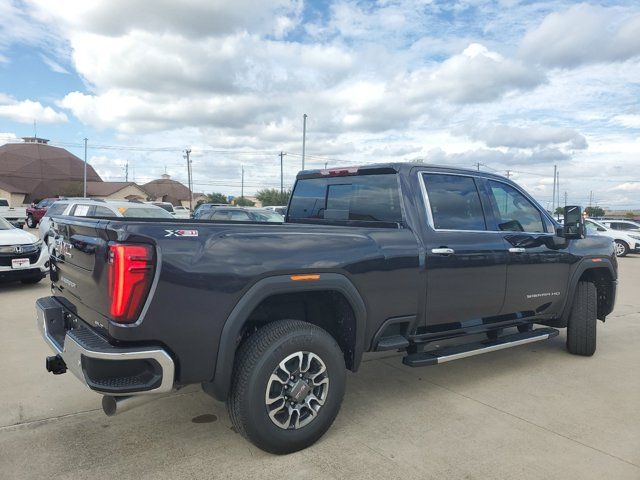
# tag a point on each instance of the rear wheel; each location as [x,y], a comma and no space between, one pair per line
[581,326]
[288,383]
[622,249]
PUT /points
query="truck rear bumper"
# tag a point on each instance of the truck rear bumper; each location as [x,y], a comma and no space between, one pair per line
[103,367]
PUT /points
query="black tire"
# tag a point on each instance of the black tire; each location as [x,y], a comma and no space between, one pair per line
[581,327]
[256,360]
[622,249]
[31,280]
[31,223]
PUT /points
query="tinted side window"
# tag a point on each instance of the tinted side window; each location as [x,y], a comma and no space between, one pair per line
[240,216]
[55,209]
[455,202]
[103,212]
[515,212]
[372,198]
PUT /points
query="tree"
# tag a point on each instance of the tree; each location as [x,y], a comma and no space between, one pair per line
[244,202]
[559,211]
[630,215]
[273,196]
[216,198]
[594,211]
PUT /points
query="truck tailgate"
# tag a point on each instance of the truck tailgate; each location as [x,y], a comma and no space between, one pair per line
[79,267]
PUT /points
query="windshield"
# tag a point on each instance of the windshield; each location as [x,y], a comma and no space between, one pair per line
[267,216]
[165,206]
[144,212]
[4,225]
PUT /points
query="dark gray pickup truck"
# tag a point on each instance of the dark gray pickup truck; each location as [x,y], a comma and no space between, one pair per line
[268,317]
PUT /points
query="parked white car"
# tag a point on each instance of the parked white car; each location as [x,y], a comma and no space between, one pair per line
[624,243]
[85,207]
[22,255]
[14,215]
[177,212]
[182,212]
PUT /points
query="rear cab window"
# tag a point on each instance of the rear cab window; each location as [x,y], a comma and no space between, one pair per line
[367,198]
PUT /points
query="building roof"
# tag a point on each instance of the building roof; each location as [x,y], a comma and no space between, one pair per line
[42,171]
[167,190]
[104,189]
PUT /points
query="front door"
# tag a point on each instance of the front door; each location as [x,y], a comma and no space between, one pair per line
[466,263]
[539,263]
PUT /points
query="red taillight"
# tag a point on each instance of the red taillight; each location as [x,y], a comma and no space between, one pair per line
[130,275]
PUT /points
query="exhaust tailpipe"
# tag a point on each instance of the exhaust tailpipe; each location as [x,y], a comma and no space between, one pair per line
[115,405]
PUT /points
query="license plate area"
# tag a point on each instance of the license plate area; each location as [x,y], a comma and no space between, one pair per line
[18,263]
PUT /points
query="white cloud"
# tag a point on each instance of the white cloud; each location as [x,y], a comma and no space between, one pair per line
[53,65]
[583,34]
[629,121]
[527,137]
[26,111]
[474,76]
[628,187]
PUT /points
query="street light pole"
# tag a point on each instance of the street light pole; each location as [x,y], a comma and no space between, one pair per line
[187,153]
[282,154]
[242,184]
[304,137]
[84,181]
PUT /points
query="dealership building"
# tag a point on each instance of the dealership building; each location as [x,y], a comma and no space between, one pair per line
[33,170]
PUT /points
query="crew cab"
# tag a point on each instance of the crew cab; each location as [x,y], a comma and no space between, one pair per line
[434,262]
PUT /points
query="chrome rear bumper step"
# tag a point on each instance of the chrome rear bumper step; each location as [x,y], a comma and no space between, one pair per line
[448,354]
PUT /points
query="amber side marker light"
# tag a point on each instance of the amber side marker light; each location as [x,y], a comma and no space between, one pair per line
[302,278]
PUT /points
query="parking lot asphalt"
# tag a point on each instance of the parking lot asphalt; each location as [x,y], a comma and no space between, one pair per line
[528,412]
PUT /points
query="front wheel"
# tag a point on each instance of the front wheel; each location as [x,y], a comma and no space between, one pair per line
[622,249]
[581,326]
[287,388]
[31,223]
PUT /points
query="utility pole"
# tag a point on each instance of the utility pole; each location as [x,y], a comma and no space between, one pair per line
[84,182]
[187,153]
[590,198]
[508,173]
[558,188]
[565,198]
[553,198]
[325,165]
[282,154]
[126,171]
[478,165]
[242,184]
[304,137]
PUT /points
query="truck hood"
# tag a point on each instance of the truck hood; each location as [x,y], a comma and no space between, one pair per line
[15,236]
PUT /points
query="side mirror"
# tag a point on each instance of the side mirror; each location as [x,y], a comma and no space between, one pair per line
[573,223]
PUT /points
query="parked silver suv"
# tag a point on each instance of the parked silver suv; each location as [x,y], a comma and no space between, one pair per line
[86,207]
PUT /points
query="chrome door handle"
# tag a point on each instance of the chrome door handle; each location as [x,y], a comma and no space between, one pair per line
[517,250]
[443,251]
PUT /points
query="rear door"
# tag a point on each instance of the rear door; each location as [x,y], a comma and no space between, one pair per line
[538,268]
[466,262]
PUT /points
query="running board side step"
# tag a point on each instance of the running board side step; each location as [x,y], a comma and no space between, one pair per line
[447,354]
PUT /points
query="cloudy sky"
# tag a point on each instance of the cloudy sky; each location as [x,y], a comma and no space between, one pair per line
[514,86]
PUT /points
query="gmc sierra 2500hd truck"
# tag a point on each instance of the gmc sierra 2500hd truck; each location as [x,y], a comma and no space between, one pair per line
[268,317]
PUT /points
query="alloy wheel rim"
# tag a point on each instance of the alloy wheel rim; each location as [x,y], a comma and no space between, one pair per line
[619,248]
[296,391]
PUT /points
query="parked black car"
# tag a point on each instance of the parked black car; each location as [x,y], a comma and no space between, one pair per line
[268,318]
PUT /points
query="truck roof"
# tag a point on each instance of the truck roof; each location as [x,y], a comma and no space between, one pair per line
[389,167]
